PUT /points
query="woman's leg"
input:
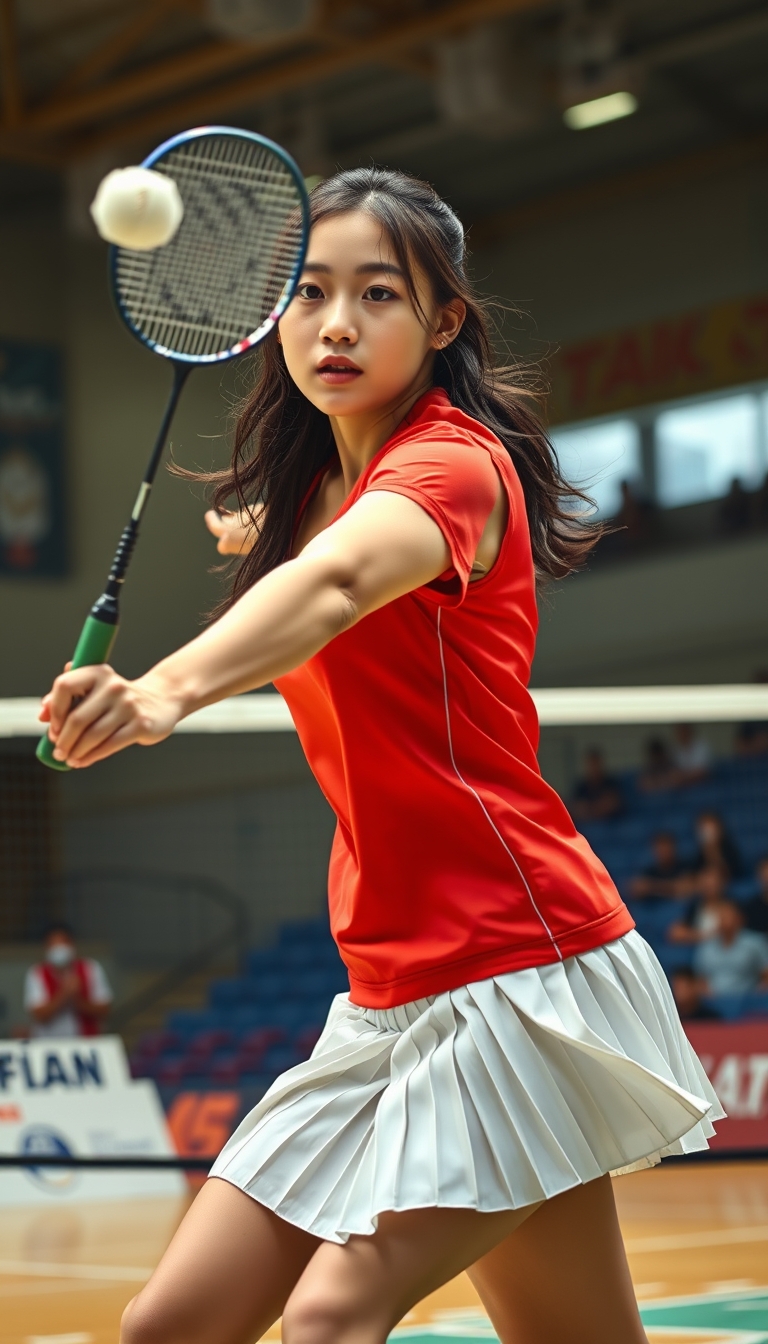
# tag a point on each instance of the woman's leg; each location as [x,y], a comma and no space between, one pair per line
[356,1293]
[563,1275]
[225,1277]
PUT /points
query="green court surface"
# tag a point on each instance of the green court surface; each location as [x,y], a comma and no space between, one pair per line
[739,1317]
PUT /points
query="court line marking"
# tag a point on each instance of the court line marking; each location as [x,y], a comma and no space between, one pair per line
[75,1337]
[56,1287]
[49,1269]
[685,1240]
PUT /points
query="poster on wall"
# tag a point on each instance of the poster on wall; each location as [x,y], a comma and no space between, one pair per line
[32,522]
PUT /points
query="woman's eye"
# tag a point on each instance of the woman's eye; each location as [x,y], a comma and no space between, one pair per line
[379,293]
[309,291]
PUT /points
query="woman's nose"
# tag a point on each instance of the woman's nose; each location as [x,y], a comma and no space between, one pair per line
[338,324]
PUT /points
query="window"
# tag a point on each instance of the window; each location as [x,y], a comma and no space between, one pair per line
[598,457]
[700,448]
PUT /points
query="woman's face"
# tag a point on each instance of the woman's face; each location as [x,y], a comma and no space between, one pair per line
[352,340]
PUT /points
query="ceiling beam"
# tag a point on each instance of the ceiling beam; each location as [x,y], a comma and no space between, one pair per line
[118,45]
[10,63]
[706,40]
[252,88]
[142,85]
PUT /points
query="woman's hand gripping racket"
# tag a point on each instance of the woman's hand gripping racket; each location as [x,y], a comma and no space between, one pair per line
[212,293]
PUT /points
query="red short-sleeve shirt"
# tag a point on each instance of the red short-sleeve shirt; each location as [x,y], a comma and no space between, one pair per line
[453,860]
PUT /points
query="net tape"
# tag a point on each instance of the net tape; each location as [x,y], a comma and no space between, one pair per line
[225,272]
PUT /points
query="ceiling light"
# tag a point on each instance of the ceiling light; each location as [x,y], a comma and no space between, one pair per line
[599,110]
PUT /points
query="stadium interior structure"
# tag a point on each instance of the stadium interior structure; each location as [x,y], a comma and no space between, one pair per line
[631,260]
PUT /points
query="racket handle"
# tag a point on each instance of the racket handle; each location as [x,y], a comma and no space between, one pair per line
[94,646]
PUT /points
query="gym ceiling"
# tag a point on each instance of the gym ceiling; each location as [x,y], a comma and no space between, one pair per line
[469,93]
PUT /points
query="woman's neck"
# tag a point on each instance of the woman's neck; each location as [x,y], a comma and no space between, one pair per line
[358,438]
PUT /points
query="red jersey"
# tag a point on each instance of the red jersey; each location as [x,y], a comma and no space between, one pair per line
[453,859]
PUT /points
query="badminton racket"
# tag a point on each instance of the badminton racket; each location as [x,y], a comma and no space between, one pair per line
[210,294]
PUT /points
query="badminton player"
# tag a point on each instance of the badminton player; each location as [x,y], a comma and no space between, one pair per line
[508,1040]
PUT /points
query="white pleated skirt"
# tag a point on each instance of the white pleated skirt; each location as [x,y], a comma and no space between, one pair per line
[492,1096]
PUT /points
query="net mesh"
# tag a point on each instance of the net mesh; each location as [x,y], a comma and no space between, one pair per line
[222,277]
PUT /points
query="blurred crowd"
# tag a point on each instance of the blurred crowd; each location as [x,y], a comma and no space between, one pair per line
[712,904]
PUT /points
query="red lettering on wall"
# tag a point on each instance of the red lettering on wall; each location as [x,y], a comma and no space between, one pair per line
[673,350]
[735,1056]
[625,367]
[200,1124]
[579,363]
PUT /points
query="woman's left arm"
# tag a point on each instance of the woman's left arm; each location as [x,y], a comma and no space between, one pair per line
[386,545]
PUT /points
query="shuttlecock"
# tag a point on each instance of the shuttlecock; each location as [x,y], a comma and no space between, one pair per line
[137,208]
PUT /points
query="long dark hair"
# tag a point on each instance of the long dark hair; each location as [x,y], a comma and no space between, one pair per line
[282,440]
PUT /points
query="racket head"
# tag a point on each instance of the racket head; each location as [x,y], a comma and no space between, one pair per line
[226,277]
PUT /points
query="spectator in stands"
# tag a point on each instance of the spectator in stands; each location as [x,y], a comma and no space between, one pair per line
[597,795]
[691,756]
[735,959]
[688,990]
[752,738]
[659,770]
[700,917]
[635,517]
[66,995]
[716,848]
[736,509]
[756,909]
[665,877]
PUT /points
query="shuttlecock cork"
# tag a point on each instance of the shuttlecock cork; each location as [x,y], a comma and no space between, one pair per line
[137,208]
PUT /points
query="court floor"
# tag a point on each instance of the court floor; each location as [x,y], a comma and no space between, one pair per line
[697,1238]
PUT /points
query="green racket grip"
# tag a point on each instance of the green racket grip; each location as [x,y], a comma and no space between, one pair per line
[94,646]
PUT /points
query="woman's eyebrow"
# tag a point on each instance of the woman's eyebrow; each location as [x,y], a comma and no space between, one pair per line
[376,267]
[367,268]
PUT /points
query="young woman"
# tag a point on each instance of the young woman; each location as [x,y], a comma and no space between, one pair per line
[508,1039]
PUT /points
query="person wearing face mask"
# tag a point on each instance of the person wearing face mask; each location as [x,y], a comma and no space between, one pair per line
[716,848]
[66,995]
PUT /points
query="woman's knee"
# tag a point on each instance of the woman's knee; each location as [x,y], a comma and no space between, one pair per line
[324,1317]
[143,1324]
[131,1325]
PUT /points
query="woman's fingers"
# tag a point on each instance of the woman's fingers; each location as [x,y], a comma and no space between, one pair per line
[85,738]
[71,686]
[123,737]
[108,694]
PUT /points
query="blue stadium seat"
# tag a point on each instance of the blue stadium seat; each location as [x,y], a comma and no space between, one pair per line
[279,1058]
[731,1007]
[756,1004]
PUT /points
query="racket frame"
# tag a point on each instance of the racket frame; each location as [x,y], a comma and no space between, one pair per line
[99,632]
[253,339]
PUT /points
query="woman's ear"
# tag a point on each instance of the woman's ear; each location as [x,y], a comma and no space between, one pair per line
[450,324]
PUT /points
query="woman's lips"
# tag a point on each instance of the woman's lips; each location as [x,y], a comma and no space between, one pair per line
[336,375]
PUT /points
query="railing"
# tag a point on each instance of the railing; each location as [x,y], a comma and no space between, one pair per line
[147,918]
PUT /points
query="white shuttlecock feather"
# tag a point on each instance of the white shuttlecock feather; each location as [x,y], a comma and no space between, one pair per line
[137,208]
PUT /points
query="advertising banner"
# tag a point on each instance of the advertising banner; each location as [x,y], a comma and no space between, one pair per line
[735,1056]
[721,346]
[77,1097]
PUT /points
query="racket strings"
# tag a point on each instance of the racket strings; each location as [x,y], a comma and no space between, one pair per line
[217,284]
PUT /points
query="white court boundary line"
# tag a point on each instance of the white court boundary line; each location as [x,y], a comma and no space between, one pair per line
[70,1269]
[557,707]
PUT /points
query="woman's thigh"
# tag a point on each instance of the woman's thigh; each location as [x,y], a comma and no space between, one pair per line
[563,1275]
[225,1277]
[356,1293]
